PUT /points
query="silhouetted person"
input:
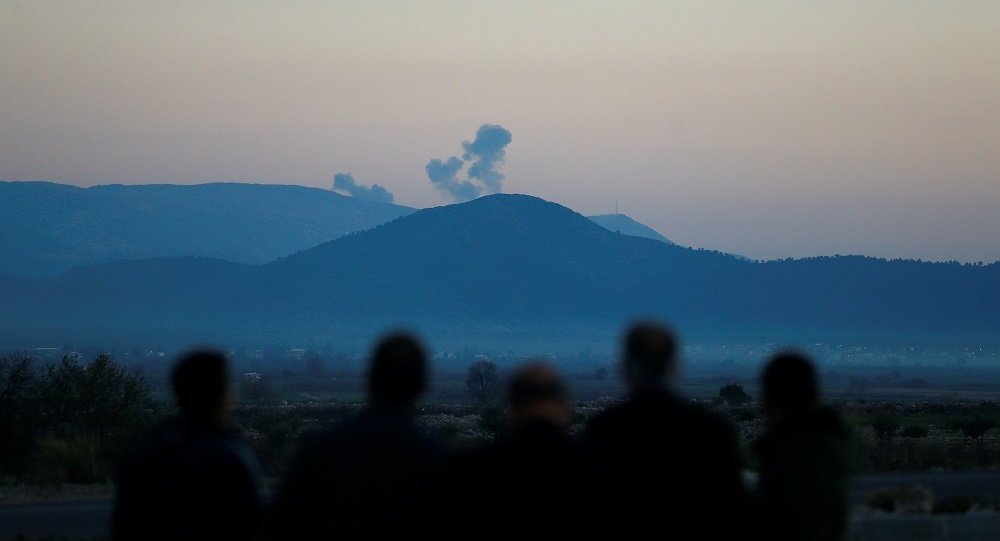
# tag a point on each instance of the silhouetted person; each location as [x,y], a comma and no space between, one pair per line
[803,457]
[370,477]
[195,478]
[663,463]
[532,482]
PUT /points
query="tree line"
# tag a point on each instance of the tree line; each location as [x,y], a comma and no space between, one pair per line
[68,421]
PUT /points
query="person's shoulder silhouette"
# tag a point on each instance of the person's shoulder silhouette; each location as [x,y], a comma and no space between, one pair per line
[652,411]
[665,459]
[194,478]
[368,477]
[534,474]
[803,456]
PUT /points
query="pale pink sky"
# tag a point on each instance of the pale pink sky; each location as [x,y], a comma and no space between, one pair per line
[770,129]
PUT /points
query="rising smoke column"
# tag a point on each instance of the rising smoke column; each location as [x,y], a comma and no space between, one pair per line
[485,154]
[344,182]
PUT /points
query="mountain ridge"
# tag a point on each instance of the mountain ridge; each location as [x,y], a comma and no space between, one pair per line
[505,268]
[47,228]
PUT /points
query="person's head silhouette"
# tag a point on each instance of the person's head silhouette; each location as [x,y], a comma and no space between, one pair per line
[201,385]
[536,392]
[398,372]
[650,356]
[789,385]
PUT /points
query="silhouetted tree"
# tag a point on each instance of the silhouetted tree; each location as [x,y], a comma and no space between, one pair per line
[98,397]
[16,379]
[481,378]
[88,414]
[733,394]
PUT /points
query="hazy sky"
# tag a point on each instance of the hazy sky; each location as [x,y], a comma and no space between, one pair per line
[770,129]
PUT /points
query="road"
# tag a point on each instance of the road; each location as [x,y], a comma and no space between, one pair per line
[74,520]
[946,485]
[83,520]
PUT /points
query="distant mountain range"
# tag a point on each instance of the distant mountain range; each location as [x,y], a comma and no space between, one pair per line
[620,223]
[505,270]
[48,228]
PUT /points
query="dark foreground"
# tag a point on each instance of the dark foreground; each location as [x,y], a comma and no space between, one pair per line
[88,520]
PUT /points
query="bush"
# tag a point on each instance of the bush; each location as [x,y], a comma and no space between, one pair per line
[447,432]
[746,415]
[277,435]
[975,428]
[885,424]
[492,419]
[256,389]
[71,459]
[914,431]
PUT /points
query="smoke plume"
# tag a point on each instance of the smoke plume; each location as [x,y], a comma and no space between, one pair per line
[344,183]
[484,154]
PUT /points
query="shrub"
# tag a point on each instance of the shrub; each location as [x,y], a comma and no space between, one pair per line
[914,431]
[71,459]
[256,389]
[975,428]
[746,415]
[492,419]
[885,424]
